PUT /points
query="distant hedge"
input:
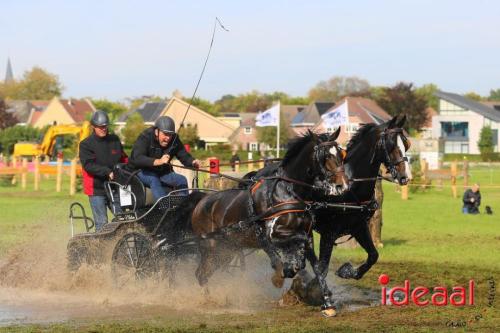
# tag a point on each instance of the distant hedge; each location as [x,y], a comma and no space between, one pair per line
[495,157]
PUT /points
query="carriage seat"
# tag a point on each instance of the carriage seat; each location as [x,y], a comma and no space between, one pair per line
[143,195]
[123,175]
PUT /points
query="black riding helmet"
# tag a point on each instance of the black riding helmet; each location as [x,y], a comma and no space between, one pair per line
[165,124]
[99,118]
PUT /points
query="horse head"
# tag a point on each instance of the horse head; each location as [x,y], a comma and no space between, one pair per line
[393,145]
[329,157]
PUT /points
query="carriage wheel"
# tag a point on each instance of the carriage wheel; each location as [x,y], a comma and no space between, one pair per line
[133,259]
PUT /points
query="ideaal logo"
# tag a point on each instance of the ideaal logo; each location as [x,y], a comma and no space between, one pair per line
[423,296]
[439,296]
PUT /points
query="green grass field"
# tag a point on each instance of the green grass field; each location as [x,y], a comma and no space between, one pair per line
[426,240]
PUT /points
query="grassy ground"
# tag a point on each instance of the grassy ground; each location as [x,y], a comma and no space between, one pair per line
[427,240]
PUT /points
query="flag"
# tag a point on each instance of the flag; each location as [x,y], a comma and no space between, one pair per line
[336,117]
[270,117]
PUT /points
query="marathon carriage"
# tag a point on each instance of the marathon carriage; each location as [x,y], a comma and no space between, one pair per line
[140,241]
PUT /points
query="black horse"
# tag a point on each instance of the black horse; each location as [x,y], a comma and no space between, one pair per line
[371,146]
[273,214]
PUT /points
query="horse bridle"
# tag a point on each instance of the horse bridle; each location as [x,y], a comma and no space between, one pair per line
[321,152]
[389,163]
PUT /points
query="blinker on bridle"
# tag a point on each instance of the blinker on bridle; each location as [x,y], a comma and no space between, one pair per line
[320,152]
[391,165]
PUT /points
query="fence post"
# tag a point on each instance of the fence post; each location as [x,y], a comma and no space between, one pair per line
[14,165]
[59,174]
[72,177]
[46,160]
[23,175]
[404,192]
[423,168]
[37,173]
[250,165]
[454,179]
[237,166]
[466,173]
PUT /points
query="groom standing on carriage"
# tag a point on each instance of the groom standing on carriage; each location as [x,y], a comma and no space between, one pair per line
[152,153]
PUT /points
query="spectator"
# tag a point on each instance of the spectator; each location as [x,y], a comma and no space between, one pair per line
[234,158]
[472,200]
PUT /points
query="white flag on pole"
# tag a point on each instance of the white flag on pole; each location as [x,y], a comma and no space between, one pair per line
[336,117]
[270,117]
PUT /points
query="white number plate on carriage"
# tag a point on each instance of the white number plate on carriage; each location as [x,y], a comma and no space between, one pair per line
[125,196]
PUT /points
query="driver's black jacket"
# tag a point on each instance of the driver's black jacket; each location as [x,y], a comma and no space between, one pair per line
[147,148]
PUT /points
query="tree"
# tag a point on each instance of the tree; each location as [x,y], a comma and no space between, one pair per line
[268,134]
[113,109]
[494,95]
[485,143]
[202,104]
[14,134]
[133,127]
[403,100]
[36,83]
[474,96]
[39,84]
[428,92]
[189,134]
[339,86]
[6,119]
[138,101]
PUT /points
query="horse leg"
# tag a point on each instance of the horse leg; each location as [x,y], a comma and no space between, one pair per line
[326,243]
[328,309]
[208,261]
[277,279]
[364,238]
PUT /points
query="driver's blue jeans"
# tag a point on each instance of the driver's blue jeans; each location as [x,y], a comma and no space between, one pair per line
[155,182]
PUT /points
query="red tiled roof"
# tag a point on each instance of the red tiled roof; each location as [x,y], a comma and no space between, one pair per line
[40,104]
[35,114]
[364,109]
[77,109]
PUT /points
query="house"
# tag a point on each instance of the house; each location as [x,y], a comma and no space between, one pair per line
[361,111]
[309,116]
[245,136]
[26,112]
[61,111]
[459,122]
[210,129]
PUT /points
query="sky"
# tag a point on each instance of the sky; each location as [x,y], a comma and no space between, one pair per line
[121,48]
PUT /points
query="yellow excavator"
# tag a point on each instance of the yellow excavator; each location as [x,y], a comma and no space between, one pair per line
[46,147]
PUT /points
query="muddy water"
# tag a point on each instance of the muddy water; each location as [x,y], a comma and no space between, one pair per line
[36,288]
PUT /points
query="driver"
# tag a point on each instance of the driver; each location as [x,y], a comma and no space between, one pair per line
[152,153]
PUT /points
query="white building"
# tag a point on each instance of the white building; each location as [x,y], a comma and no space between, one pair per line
[459,122]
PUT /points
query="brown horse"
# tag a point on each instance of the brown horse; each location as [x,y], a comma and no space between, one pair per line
[277,207]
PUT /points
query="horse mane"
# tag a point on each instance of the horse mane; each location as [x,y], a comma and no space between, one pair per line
[296,146]
[360,133]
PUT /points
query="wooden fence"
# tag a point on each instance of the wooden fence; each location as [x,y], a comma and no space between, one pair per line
[19,170]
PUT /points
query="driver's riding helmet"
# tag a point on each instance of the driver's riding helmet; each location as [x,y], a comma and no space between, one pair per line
[99,119]
[165,124]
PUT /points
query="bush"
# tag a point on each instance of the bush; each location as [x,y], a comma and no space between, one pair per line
[485,143]
[11,135]
[470,157]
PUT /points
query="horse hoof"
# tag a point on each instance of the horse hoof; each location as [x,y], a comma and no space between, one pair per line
[277,281]
[380,245]
[327,313]
[346,271]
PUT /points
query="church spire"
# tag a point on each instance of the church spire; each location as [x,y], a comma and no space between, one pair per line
[9,75]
